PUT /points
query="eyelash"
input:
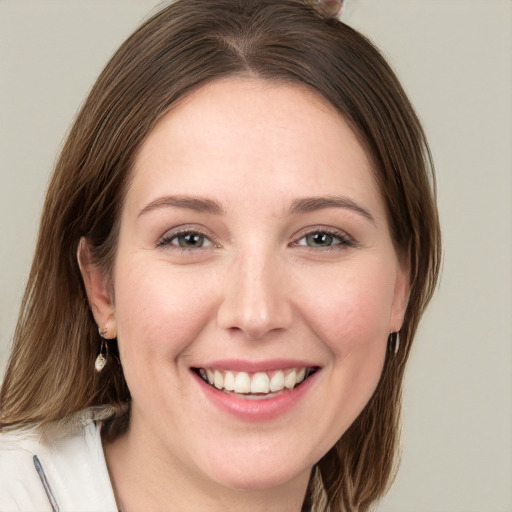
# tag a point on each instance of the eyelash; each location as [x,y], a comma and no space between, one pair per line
[167,240]
[343,240]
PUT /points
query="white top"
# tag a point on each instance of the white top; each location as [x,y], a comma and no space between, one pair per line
[73,463]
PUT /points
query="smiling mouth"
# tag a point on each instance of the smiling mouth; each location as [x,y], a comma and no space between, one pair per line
[255,385]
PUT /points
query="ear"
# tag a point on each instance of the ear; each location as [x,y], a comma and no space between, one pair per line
[98,291]
[400,297]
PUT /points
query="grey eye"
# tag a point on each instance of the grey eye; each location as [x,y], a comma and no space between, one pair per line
[320,239]
[191,241]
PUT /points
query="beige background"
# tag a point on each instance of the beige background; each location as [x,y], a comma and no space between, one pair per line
[455,60]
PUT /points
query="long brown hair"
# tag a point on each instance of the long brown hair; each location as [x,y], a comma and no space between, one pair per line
[50,374]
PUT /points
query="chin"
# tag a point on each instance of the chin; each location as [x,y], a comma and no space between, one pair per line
[258,473]
[260,481]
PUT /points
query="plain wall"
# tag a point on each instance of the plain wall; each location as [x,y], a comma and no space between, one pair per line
[455,60]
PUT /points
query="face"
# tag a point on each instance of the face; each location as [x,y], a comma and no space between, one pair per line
[255,284]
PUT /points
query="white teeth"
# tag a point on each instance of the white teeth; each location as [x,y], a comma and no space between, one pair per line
[277,381]
[290,380]
[242,383]
[218,379]
[229,381]
[260,383]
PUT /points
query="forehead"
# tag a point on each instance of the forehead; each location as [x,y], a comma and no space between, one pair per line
[248,133]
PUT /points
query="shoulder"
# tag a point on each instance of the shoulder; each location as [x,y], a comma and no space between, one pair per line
[71,460]
[19,489]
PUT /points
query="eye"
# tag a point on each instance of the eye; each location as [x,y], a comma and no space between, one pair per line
[186,240]
[324,239]
[319,240]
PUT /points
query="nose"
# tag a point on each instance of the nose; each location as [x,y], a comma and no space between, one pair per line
[254,299]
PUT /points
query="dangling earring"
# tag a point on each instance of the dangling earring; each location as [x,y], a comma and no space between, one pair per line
[394,339]
[101,360]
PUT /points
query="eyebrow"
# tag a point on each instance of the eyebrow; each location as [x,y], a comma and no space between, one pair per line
[310,204]
[298,206]
[191,203]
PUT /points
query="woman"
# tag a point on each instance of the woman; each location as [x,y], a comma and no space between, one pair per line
[239,239]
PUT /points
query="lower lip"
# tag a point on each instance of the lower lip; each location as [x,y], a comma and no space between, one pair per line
[262,409]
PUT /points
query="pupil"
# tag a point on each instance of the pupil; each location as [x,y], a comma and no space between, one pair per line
[191,240]
[320,239]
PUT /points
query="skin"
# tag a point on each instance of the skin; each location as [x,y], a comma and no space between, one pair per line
[255,290]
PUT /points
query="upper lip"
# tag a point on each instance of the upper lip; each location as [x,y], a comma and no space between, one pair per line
[249,366]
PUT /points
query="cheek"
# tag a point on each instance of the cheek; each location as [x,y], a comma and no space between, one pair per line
[353,314]
[158,313]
